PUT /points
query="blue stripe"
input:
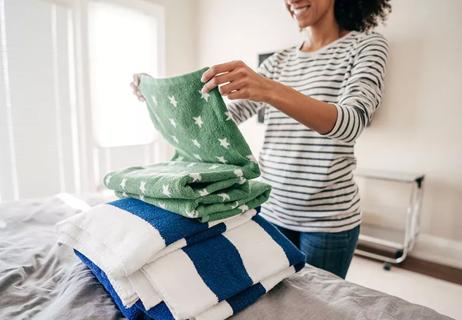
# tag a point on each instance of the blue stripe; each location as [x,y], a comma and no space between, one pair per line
[158,312]
[130,313]
[220,266]
[246,297]
[214,231]
[135,312]
[171,226]
[296,257]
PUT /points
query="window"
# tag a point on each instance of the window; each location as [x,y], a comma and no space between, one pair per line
[76,59]
[123,39]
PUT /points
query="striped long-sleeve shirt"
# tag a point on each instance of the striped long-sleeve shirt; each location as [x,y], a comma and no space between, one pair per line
[313,189]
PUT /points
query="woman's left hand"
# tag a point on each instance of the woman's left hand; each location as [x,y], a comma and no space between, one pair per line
[236,80]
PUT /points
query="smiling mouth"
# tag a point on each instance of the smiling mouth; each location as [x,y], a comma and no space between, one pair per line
[300,10]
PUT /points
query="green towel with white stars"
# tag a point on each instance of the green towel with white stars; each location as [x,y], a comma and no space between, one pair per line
[208,176]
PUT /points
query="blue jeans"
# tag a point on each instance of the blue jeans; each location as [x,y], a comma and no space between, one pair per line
[329,251]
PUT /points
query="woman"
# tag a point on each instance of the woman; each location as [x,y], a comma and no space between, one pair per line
[319,96]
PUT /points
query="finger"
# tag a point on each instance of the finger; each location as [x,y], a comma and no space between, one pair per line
[139,95]
[230,87]
[136,79]
[135,89]
[238,94]
[218,80]
[219,68]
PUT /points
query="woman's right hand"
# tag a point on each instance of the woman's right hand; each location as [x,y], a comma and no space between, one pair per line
[134,85]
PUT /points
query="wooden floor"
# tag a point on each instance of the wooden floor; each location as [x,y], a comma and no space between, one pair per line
[428,268]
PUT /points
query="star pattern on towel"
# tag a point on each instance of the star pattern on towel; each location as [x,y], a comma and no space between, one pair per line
[195,176]
[238,172]
[244,208]
[165,190]
[221,159]
[224,196]
[198,121]
[123,183]
[143,187]
[204,95]
[192,214]
[196,143]
[173,101]
[224,142]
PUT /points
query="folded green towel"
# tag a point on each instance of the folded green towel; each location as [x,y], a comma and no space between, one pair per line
[208,175]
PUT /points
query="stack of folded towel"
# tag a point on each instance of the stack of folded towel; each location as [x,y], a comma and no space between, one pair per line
[160,265]
[208,176]
[185,241]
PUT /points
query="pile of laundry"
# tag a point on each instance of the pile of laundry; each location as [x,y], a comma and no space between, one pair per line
[185,240]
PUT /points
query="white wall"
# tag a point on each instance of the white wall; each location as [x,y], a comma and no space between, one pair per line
[420,125]
[181,43]
[418,129]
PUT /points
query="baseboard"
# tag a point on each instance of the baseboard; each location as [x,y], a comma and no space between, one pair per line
[425,262]
[438,250]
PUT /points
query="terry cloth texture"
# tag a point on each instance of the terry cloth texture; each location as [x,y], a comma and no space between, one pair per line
[207,177]
[133,223]
[152,261]
[160,311]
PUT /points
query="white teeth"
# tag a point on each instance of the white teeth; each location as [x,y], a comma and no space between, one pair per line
[300,10]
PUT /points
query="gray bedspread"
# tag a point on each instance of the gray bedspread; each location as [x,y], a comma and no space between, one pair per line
[39,280]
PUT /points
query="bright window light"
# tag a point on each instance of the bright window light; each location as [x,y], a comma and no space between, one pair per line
[123,40]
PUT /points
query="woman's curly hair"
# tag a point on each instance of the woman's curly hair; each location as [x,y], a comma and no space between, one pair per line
[361,15]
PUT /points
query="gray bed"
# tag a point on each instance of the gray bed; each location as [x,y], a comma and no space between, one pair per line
[39,280]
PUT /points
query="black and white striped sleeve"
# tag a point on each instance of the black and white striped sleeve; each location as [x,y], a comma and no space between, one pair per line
[363,92]
[241,110]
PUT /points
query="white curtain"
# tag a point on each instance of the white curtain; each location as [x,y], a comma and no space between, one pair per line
[66,113]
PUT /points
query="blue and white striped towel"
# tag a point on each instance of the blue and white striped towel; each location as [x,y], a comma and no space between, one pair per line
[193,270]
[161,312]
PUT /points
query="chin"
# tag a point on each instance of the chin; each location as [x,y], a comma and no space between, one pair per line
[304,23]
